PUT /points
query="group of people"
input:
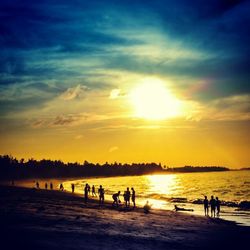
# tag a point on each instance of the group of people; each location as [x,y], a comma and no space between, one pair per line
[87,193]
[45,185]
[214,206]
[127,195]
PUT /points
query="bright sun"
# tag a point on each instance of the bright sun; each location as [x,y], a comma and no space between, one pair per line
[152,100]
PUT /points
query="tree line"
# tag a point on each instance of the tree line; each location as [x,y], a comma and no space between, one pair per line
[12,168]
[18,169]
[193,169]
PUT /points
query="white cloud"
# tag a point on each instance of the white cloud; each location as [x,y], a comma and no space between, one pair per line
[114,93]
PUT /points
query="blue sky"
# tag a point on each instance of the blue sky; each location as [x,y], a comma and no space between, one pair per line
[59,60]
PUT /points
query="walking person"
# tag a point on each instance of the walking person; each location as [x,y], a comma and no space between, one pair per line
[86,190]
[217,204]
[46,185]
[133,197]
[205,202]
[212,205]
[51,186]
[93,191]
[101,195]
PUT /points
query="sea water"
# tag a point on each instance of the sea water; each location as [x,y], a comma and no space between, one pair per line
[186,190]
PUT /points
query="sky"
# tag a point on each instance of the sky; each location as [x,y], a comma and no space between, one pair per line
[126,81]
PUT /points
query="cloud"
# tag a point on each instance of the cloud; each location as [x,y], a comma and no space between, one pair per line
[65,49]
[69,120]
[72,93]
[233,108]
[114,93]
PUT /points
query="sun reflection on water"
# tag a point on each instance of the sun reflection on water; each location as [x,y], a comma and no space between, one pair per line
[161,185]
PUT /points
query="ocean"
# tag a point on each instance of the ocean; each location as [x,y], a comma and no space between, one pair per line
[186,190]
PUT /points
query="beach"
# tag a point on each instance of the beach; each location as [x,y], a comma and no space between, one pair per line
[45,219]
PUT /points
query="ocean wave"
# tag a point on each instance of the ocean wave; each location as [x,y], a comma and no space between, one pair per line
[242,205]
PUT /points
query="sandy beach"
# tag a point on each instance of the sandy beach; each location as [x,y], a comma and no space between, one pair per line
[44,219]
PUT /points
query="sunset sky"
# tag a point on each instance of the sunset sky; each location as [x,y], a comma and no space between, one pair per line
[126,81]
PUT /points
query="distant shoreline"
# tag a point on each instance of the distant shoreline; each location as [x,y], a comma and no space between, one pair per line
[17,178]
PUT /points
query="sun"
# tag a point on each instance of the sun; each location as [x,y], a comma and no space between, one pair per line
[152,100]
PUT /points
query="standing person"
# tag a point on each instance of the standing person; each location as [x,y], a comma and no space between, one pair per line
[73,187]
[127,198]
[124,197]
[61,187]
[101,195]
[116,199]
[133,197]
[217,204]
[86,191]
[51,185]
[46,185]
[93,191]
[37,185]
[212,205]
[205,202]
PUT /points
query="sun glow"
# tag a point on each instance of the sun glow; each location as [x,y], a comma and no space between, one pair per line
[152,100]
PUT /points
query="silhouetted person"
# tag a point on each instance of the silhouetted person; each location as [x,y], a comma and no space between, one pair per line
[116,199]
[147,207]
[73,187]
[86,191]
[89,189]
[12,183]
[61,188]
[46,185]
[101,195]
[212,205]
[51,185]
[205,202]
[217,204]
[127,198]
[37,185]
[133,196]
[124,197]
[176,208]
[93,191]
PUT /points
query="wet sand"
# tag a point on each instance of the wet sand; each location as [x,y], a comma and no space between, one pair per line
[44,219]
